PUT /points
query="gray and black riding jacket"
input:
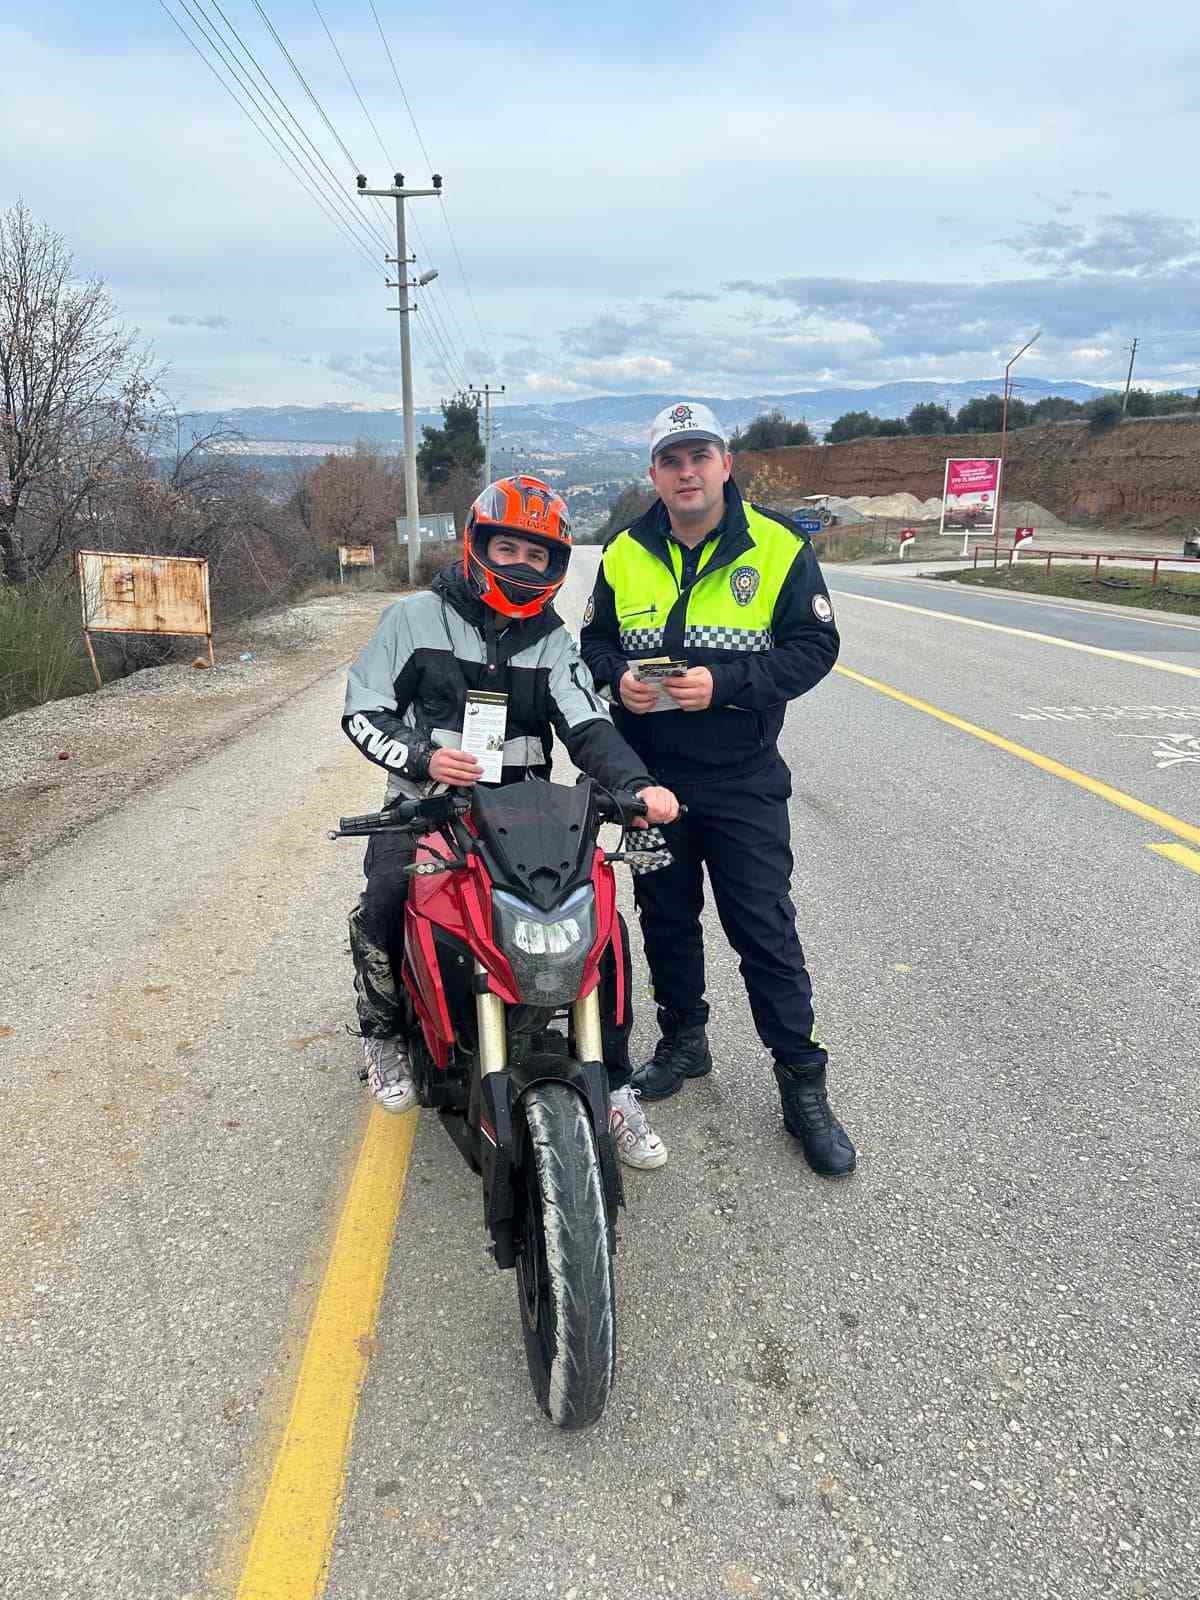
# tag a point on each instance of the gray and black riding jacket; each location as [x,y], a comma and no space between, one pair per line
[407,691]
[754,610]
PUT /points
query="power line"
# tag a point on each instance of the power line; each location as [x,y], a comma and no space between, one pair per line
[324,188]
[438,336]
[335,187]
[442,346]
[429,163]
[315,103]
[265,132]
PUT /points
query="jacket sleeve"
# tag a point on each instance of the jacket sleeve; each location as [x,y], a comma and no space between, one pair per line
[600,640]
[380,687]
[804,650]
[582,722]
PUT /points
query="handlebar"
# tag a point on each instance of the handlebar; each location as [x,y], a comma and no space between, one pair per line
[406,816]
[415,816]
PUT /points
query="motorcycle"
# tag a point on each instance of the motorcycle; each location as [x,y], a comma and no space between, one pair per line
[510,915]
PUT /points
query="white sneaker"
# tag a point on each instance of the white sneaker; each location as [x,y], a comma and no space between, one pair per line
[636,1144]
[389,1076]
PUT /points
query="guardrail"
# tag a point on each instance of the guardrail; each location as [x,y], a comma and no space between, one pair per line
[1014,554]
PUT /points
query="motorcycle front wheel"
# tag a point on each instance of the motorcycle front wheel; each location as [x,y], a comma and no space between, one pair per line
[565,1285]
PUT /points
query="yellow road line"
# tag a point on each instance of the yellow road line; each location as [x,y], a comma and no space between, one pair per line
[1024,633]
[293,1537]
[1115,797]
[1178,853]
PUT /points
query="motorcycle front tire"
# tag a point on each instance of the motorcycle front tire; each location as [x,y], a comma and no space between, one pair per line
[565,1286]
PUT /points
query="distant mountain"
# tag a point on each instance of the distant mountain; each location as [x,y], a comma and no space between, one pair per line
[612,423]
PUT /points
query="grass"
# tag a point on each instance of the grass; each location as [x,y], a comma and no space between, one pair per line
[1122,586]
[41,644]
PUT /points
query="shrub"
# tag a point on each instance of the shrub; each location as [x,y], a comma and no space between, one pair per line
[1104,413]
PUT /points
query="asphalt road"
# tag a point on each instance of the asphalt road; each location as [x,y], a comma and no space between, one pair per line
[970,1370]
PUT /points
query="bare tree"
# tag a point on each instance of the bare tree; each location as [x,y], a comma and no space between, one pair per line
[355,499]
[75,395]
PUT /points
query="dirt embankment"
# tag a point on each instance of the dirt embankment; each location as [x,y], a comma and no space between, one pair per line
[1143,474]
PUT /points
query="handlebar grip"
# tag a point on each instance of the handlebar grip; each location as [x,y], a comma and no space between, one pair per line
[396,816]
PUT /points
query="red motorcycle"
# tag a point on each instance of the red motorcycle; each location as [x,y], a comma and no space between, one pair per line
[511,917]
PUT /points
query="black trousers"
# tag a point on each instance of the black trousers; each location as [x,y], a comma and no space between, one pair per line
[741,832]
[377,946]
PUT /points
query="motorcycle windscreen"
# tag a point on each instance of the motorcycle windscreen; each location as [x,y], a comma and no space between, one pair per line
[537,838]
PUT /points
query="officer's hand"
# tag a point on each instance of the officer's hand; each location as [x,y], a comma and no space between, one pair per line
[661,806]
[636,695]
[453,766]
[692,692]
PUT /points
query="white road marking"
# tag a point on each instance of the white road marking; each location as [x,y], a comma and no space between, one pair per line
[1026,633]
[1082,608]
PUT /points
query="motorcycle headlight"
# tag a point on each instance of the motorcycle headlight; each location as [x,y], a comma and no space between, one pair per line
[547,949]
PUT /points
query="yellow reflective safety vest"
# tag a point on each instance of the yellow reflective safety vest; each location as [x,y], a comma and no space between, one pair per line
[757,614]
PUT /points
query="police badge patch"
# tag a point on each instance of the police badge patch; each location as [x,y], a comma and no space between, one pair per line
[589,611]
[744,584]
[822,610]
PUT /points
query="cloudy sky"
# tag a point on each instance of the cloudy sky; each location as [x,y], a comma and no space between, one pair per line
[725,199]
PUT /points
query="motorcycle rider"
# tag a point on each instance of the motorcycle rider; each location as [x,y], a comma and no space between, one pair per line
[735,593]
[487,625]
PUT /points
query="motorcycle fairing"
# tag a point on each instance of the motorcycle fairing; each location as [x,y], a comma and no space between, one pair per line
[538,853]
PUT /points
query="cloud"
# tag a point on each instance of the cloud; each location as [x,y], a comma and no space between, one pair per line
[1145,244]
[217,324]
[689,296]
[375,368]
[610,334]
[915,319]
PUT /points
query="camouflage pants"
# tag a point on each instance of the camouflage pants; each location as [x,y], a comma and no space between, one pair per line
[377,946]
[377,938]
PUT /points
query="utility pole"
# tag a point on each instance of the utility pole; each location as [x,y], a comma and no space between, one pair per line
[1003,439]
[1129,376]
[487,392]
[403,284]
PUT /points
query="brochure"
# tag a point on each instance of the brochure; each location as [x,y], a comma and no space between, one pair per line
[484,720]
[653,670]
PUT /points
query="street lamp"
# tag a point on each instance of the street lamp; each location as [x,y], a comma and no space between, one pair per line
[1003,437]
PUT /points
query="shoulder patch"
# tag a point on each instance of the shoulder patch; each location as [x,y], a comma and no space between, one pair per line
[822,609]
[589,610]
[744,581]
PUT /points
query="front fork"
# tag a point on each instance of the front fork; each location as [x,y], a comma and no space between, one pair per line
[497,1143]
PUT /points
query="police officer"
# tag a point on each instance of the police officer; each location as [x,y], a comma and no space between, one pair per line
[735,593]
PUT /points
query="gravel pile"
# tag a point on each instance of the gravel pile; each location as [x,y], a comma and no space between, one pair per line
[896,505]
[1028,514]
[907,508]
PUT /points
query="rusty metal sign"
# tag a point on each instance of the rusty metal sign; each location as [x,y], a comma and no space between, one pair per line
[144,594]
[356,555]
[123,593]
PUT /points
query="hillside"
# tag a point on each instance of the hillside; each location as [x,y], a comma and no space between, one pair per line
[1144,473]
[610,423]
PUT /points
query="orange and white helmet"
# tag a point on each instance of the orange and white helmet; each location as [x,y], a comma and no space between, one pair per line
[531,509]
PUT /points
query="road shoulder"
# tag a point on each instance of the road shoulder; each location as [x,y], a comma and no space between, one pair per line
[66,764]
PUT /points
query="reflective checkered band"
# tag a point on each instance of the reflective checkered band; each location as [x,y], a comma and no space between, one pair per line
[715,637]
[641,639]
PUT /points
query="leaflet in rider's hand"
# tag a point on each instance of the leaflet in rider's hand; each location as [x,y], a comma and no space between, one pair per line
[654,669]
[484,718]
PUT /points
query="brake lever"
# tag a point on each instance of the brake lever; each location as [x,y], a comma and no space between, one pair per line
[640,858]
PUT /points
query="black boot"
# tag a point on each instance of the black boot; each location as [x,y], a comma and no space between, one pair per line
[680,1054]
[806,1115]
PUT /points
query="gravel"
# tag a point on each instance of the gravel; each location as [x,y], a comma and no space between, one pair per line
[70,761]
